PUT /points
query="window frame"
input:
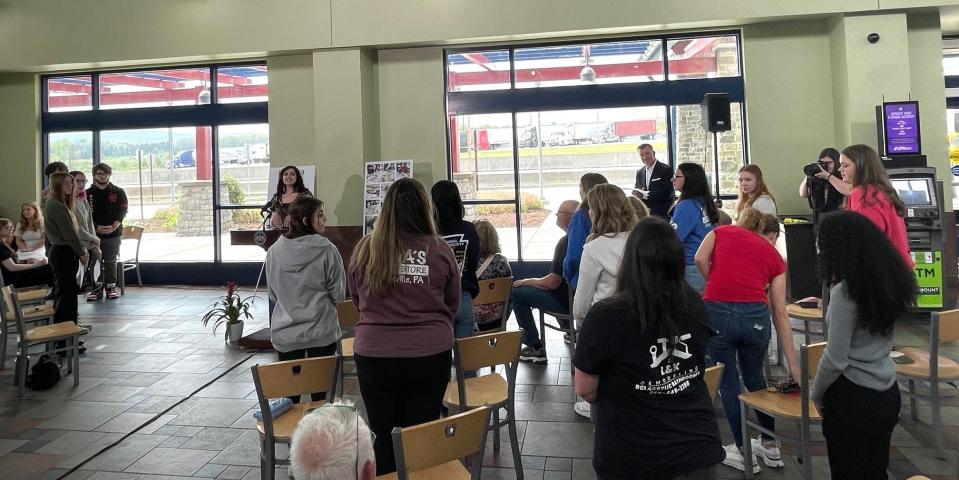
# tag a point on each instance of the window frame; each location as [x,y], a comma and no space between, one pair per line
[212,115]
[665,92]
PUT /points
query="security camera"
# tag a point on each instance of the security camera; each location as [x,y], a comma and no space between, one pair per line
[873,38]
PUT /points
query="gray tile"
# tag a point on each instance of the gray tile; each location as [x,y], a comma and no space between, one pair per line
[210,470]
[178,384]
[171,461]
[226,390]
[493,473]
[555,475]
[76,415]
[234,472]
[123,455]
[213,439]
[143,379]
[583,469]
[108,393]
[927,463]
[188,431]
[559,464]
[245,450]
[210,412]
[559,439]
[174,442]
[164,348]
[546,412]
[554,393]
[113,476]
[125,422]
[71,442]
[7,445]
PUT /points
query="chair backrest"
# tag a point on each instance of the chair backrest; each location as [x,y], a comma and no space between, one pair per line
[498,348]
[347,314]
[132,232]
[712,376]
[441,441]
[11,310]
[293,377]
[492,291]
[948,323]
[811,354]
[6,308]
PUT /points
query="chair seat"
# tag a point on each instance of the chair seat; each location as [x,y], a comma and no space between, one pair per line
[492,389]
[346,345]
[795,311]
[284,425]
[779,405]
[453,470]
[56,331]
[40,311]
[948,368]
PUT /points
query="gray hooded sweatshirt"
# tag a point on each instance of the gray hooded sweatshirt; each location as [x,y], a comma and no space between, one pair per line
[305,278]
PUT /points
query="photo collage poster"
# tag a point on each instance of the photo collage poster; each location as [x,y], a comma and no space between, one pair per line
[378,178]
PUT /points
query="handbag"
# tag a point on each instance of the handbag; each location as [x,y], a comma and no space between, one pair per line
[46,374]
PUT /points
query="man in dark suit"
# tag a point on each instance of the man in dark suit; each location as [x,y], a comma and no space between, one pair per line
[654,182]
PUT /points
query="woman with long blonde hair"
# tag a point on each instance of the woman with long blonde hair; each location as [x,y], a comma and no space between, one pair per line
[66,251]
[405,282]
[753,192]
[28,233]
[612,218]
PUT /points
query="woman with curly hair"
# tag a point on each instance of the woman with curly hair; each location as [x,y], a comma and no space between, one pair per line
[753,192]
[612,218]
[855,387]
[872,195]
[289,187]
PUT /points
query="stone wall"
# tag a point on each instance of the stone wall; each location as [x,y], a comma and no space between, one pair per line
[195,218]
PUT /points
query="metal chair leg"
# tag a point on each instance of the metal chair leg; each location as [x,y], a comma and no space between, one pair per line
[139,278]
[937,419]
[22,360]
[496,428]
[267,459]
[747,449]
[3,345]
[514,441]
[804,453]
[913,408]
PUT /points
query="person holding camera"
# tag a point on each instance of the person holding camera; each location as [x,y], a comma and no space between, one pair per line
[823,187]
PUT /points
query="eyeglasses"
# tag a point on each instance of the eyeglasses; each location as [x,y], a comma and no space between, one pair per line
[564,213]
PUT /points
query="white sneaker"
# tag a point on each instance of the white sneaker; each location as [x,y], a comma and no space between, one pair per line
[582,408]
[734,458]
[768,450]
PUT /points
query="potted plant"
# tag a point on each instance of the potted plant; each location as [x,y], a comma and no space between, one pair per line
[228,311]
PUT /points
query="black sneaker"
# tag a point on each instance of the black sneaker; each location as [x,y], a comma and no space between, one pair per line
[533,355]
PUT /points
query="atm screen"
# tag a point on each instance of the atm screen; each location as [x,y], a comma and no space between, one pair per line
[914,192]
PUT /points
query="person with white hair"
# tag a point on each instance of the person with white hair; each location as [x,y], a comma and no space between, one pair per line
[332,442]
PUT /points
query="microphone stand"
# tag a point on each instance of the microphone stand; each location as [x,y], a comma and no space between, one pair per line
[266,219]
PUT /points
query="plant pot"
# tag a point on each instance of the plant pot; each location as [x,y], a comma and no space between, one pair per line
[234,332]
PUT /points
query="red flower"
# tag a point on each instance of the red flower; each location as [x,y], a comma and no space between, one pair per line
[230,288]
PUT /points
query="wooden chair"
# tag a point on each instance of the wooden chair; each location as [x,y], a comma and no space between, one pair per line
[493,292]
[490,350]
[430,451]
[124,265]
[929,366]
[712,376]
[786,407]
[568,317]
[48,335]
[808,317]
[287,379]
[33,297]
[348,317]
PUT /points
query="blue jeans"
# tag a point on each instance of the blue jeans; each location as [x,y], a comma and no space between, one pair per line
[524,300]
[744,332]
[465,321]
[695,279]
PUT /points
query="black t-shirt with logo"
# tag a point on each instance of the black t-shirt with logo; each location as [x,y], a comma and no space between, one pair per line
[561,293]
[463,239]
[655,418]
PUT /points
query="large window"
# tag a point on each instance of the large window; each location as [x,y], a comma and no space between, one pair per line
[525,123]
[190,146]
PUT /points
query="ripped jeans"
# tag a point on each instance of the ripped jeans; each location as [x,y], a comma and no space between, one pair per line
[743,333]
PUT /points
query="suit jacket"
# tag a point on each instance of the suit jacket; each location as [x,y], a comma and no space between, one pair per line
[660,188]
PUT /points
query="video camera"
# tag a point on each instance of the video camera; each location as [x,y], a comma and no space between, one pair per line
[813,168]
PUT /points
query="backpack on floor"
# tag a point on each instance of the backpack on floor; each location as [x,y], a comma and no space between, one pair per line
[46,374]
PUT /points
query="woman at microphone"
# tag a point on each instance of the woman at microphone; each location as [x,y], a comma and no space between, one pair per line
[289,187]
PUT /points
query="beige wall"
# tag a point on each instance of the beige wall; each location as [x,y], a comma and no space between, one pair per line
[789,121]
[19,142]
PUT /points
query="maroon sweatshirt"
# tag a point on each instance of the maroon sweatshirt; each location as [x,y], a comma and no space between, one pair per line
[413,318]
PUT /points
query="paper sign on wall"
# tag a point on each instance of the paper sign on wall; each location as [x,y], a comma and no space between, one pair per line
[378,178]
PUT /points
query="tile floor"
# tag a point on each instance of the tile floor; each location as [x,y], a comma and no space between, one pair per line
[160,397]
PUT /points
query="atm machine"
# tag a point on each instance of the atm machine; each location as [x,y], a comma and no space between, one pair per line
[916,183]
[923,195]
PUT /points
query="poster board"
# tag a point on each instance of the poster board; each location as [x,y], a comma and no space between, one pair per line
[307,172]
[378,176]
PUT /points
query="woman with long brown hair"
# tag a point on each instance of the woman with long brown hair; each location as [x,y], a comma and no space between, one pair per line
[28,233]
[405,282]
[612,217]
[872,195]
[66,251]
[753,192]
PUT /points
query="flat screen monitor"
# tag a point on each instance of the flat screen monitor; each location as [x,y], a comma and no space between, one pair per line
[901,128]
[915,192]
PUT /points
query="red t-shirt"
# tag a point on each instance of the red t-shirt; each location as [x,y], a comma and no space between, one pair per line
[882,213]
[742,265]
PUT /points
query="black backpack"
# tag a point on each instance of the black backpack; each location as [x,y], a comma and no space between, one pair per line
[46,374]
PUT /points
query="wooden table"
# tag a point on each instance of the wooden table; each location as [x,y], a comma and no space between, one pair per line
[807,316]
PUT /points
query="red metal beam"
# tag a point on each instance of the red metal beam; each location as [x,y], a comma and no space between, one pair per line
[134,80]
[647,68]
[203,75]
[58,86]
